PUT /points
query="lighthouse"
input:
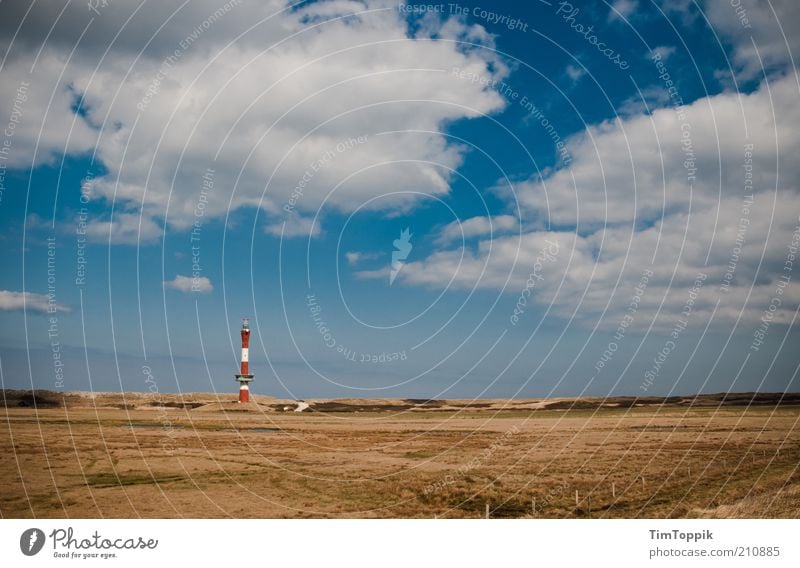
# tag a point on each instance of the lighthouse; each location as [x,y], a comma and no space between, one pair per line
[245,377]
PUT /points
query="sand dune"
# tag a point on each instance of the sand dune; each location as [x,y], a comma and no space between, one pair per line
[209,402]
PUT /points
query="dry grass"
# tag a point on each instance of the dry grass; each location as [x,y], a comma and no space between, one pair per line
[80,461]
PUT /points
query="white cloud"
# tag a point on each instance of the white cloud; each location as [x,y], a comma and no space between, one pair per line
[663,51]
[575,73]
[15,301]
[258,110]
[683,8]
[187,284]
[645,101]
[628,194]
[124,228]
[622,9]
[633,169]
[497,263]
[595,274]
[263,113]
[37,104]
[294,226]
[476,227]
[354,257]
[757,34]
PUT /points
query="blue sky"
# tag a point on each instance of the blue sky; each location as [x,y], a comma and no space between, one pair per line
[601,198]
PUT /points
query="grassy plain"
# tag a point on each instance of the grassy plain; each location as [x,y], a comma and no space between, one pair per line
[199,455]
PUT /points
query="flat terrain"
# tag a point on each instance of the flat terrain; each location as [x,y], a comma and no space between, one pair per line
[202,455]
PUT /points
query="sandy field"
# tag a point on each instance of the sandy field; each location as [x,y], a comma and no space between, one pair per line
[202,455]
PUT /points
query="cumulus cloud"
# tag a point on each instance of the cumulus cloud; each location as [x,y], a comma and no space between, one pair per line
[187,284]
[346,95]
[42,303]
[355,257]
[265,114]
[633,205]
[476,227]
[124,228]
[294,226]
[40,103]
[663,51]
[383,273]
[622,9]
[594,275]
[640,168]
[645,101]
[762,33]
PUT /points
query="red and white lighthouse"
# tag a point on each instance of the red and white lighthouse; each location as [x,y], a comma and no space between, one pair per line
[245,377]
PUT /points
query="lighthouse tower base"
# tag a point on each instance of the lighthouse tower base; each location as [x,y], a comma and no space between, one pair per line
[244,388]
